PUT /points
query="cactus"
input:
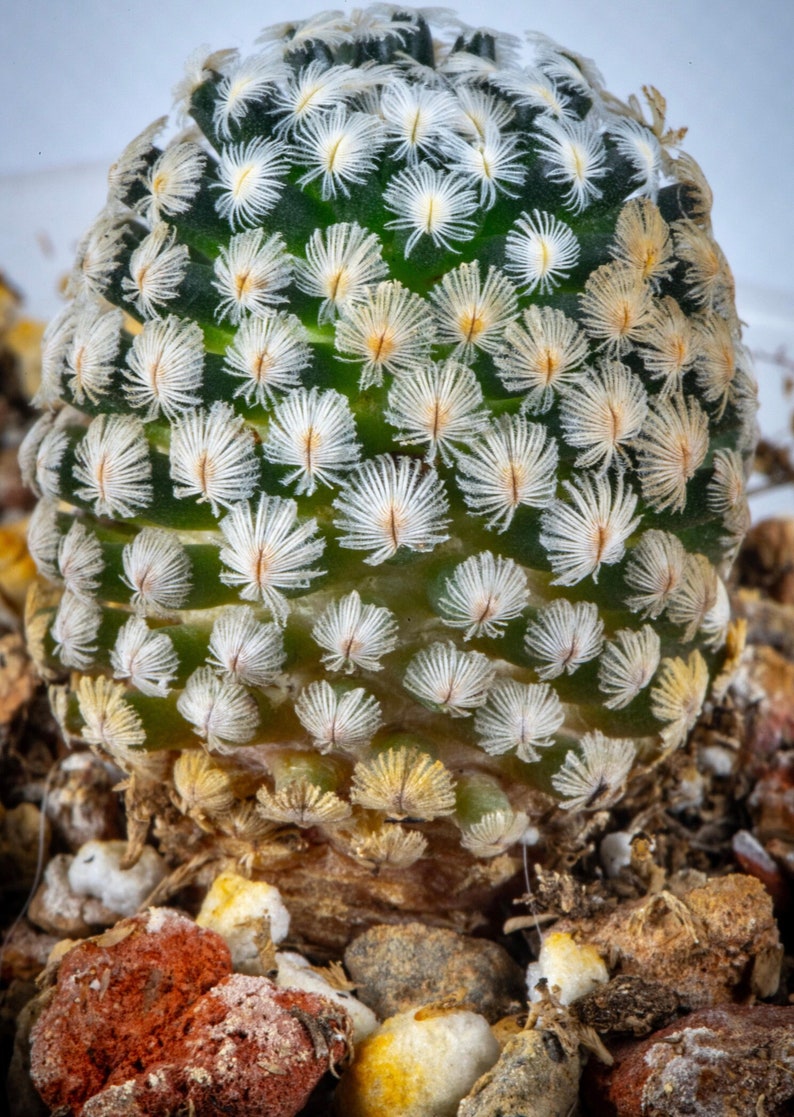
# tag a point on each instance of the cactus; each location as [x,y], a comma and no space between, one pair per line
[392,455]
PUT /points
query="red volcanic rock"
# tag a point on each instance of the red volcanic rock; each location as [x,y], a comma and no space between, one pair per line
[246,1048]
[731,1061]
[115,996]
[147,1019]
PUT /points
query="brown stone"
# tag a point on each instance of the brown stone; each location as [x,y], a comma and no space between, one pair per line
[17,679]
[730,1061]
[709,940]
[81,804]
[766,560]
[400,967]
[771,802]
[627,1004]
[25,952]
[23,833]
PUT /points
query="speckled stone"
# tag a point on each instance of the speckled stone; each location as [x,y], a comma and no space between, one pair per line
[628,1005]
[731,1061]
[97,869]
[400,967]
[534,1077]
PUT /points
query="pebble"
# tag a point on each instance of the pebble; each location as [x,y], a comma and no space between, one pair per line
[114,997]
[417,1064]
[23,1101]
[709,940]
[17,678]
[244,1048]
[730,1061]
[248,915]
[614,852]
[81,804]
[22,831]
[96,871]
[756,861]
[295,972]
[570,969]
[534,1077]
[399,967]
[57,909]
[771,801]
[764,685]
[766,560]
[628,1005]
[25,952]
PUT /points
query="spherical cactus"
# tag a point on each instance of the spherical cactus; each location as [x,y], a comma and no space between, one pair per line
[392,456]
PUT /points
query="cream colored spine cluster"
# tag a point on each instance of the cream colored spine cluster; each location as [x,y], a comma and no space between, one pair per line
[394,440]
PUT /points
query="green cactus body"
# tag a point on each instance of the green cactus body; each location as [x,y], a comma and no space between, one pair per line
[412,495]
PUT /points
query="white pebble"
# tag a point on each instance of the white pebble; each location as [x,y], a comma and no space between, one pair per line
[294,972]
[716,760]
[240,910]
[96,871]
[614,852]
[575,969]
[420,1063]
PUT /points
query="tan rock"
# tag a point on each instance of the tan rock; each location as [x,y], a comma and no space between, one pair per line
[82,805]
[710,940]
[22,833]
[17,679]
[767,558]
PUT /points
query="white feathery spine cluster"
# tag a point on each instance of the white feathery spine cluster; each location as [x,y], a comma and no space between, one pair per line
[363,452]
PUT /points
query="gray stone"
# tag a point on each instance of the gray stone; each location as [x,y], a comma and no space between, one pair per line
[534,1077]
[400,967]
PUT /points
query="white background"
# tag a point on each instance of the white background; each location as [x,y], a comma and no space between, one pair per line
[81,77]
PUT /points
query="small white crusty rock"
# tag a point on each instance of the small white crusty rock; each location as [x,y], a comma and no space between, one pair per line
[96,871]
[571,969]
[244,913]
[295,972]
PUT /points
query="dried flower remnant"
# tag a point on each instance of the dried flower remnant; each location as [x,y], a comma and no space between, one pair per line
[404,783]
